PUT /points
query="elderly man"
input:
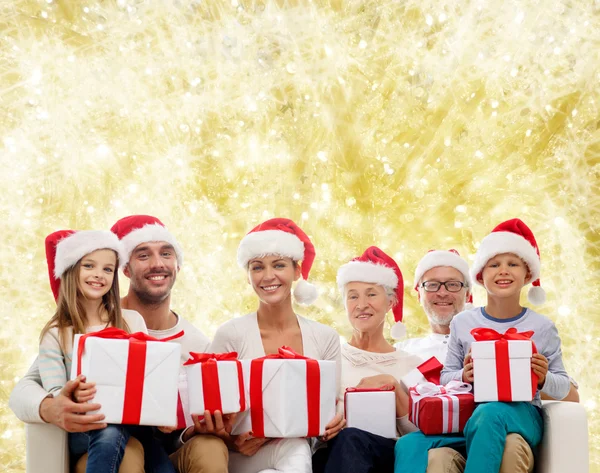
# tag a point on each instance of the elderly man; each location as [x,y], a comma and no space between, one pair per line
[154,259]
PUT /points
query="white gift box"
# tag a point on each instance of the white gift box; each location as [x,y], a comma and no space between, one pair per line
[428,371]
[105,362]
[284,395]
[227,384]
[373,411]
[513,383]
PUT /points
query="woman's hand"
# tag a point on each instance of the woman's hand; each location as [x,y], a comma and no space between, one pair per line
[334,427]
[84,392]
[467,376]
[539,365]
[167,430]
[246,444]
[378,381]
[217,424]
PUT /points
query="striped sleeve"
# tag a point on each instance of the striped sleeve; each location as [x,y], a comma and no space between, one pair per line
[51,361]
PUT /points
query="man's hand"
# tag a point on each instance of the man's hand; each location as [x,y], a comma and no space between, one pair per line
[467,376]
[218,424]
[246,444]
[61,411]
[539,365]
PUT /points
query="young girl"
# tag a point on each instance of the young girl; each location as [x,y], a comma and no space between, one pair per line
[270,254]
[83,274]
[506,261]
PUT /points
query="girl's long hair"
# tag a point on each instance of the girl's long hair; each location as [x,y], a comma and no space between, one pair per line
[70,311]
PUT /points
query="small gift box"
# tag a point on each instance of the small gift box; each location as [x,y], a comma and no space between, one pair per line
[372,410]
[440,409]
[289,395]
[427,372]
[215,383]
[136,375]
[502,365]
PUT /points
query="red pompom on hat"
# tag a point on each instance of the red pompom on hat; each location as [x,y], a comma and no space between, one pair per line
[281,236]
[450,258]
[374,266]
[137,229]
[512,236]
[64,248]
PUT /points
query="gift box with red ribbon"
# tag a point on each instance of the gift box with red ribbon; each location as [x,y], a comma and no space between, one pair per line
[215,383]
[438,409]
[502,365]
[290,395]
[136,375]
[372,410]
[427,372]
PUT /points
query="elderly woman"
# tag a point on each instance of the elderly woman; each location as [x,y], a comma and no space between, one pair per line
[270,254]
[371,285]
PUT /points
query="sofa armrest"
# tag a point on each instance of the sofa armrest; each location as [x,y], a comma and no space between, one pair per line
[564,447]
[47,449]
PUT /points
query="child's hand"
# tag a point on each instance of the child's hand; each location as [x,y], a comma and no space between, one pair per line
[85,391]
[539,365]
[467,376]
[166,430]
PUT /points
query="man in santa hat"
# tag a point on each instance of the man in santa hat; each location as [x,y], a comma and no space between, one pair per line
[154,259]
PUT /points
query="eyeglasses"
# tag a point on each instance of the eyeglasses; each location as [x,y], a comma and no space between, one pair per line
[434,286]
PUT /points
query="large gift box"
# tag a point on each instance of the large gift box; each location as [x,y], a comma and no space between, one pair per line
[372,410]
[289,396]
[502,365]
[439,410]
[427,372]
[136,375]
[215,383]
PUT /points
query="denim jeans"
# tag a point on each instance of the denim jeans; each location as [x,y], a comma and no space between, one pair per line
[105,448]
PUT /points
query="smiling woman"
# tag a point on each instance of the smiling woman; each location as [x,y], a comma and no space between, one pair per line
[276,254]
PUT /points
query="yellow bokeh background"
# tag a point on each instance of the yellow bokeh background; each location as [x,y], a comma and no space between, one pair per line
[409,125]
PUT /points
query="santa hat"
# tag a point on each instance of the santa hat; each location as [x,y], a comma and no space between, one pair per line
[137,229]
[374,266]
[64,248]
[451,258]
[281,236]
[512,236]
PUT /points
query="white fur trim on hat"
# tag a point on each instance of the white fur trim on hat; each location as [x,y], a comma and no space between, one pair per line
[305,293]
[363,271]
[269,242]
[148,233]
[497,243]
[71,249]
[436,258]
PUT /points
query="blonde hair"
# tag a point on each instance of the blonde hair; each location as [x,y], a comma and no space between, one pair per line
[70,312]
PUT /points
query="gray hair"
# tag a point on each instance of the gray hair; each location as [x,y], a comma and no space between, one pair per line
[390,293]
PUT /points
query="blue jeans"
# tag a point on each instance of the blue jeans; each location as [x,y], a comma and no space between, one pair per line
[483,438]
[357,451]
[106,447]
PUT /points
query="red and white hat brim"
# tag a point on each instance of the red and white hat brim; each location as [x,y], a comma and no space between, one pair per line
[363,271]
[150,233]
[437,258]
[497,243]
[267,243]
[71,249]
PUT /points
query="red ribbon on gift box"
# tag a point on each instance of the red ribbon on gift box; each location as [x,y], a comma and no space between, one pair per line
[210,378]
[136,366]
[431,369]
[483,334]
[313,391]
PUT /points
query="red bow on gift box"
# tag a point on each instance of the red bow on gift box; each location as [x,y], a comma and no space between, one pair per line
[210,378]
[483,334]
[313,391]
[136,365]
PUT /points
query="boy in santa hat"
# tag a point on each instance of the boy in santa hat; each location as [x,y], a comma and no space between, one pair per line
[506,261]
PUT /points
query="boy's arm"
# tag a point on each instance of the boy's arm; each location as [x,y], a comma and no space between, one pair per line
[453,366]
[557,382]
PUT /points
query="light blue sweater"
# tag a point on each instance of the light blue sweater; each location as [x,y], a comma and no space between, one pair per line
[545,337]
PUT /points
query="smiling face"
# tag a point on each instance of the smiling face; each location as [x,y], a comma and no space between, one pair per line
[366,306]
[96,273]
[442,306]
[271,277]
[152,269]
[505,275]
